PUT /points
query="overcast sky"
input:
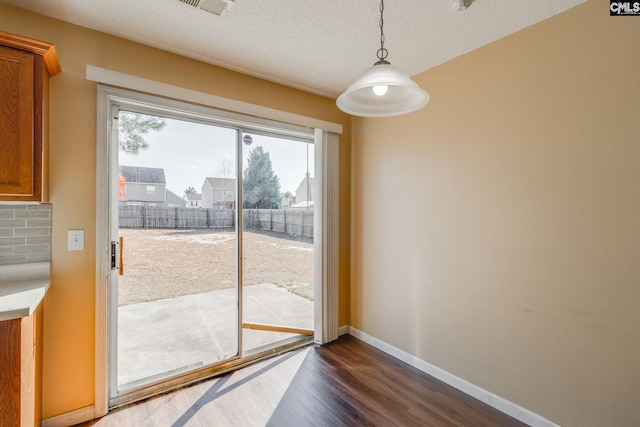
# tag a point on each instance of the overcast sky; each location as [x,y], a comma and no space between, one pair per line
[190,152]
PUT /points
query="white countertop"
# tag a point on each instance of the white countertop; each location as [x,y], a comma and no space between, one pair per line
[22,287]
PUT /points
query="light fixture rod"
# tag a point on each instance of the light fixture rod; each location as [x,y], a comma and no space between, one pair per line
[382,52]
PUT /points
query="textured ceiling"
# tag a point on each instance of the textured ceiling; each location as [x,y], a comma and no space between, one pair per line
[316,45]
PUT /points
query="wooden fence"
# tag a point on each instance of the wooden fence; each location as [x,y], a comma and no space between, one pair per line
[294,222]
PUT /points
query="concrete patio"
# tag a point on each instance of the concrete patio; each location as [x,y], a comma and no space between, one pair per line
[169,336]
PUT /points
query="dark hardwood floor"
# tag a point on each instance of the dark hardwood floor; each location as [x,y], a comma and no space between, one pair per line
[345,383]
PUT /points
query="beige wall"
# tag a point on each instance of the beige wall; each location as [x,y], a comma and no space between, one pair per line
[69,306]
[496,232]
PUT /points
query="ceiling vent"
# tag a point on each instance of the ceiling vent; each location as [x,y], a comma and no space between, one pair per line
[217,7]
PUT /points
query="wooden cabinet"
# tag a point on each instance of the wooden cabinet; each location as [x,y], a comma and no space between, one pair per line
[25,67]
[19,372]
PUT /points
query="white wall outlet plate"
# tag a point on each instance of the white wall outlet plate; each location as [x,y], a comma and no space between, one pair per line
[75,240]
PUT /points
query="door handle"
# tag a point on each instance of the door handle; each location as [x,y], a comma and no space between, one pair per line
[116,255]
[121,269]
[114,258]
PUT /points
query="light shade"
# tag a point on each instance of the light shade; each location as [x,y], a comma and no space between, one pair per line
[403,95]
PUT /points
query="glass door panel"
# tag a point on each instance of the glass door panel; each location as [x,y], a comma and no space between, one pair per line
[277,241]
[177,294]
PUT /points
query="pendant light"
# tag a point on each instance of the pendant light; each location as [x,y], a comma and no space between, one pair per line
[382,90]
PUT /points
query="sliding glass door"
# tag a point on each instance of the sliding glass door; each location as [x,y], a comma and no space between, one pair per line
[211,235]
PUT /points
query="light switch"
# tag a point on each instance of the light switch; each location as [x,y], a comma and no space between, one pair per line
[75,240]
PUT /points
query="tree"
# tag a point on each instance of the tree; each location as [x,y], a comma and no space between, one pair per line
[228,172]
[286,198]
[260,186]
[190,190]
[226,169]
[287,195]
[131,128]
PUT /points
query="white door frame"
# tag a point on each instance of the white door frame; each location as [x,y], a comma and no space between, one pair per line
[326,224]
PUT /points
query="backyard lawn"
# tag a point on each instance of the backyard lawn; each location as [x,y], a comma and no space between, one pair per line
[161,264]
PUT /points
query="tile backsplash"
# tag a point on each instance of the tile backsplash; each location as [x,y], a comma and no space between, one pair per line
[25,233]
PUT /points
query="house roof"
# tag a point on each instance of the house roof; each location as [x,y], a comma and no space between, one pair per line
[224,183]
[193,196]
[143,175]
[311,180]
[174,198]
[305,204]
[306,183]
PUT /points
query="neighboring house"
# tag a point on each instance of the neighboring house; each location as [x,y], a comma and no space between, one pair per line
[304,193]
[174,201]
[219,193]
[143,185]
[193,200]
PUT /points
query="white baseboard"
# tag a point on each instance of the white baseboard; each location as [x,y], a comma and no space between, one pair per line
[71,418]
[524,415]
[521,414]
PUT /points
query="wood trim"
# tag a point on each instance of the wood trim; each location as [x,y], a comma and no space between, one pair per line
[44,49]
[71,418]
[38,327]
[28,386]
[40,99]
[277,328]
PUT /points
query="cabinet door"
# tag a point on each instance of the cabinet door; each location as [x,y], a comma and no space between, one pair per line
[18,372]
[20,136]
